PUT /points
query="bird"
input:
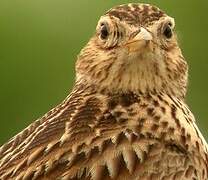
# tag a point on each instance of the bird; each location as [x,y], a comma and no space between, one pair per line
[126,117]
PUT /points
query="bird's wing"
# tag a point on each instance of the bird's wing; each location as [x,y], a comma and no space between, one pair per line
[95,136]
[39,132]
[35,143]
[60,143]
[76,139]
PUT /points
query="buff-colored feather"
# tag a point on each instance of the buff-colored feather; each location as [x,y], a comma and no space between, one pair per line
[126,117]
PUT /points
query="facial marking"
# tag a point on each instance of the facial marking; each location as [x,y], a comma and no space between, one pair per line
[137,51]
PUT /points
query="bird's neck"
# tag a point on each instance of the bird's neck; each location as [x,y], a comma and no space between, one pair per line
[135,79]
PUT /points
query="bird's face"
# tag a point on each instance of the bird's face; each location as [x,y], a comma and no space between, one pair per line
[134,49]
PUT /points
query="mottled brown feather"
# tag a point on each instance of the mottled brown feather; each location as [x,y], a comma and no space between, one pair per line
[118,122]
[128,154]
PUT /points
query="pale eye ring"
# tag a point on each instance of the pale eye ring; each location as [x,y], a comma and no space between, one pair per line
[104,32]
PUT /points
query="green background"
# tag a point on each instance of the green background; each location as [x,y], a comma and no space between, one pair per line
[39,42]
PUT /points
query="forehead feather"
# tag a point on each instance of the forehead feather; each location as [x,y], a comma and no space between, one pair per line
[137,14]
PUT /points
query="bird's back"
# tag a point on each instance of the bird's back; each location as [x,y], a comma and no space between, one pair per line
[95,135]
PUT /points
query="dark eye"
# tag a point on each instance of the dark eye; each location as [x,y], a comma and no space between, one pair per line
[104,31]
[168,33]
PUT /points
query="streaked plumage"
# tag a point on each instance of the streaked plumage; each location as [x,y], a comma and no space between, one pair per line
[126,117]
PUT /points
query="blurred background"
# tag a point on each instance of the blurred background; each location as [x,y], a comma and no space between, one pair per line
[39,42]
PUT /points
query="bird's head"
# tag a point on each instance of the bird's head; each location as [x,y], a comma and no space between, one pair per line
[134,49]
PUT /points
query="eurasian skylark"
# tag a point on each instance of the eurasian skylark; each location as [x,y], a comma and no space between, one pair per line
[126,117]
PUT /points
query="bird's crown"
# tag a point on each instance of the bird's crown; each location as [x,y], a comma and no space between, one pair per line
[136,14]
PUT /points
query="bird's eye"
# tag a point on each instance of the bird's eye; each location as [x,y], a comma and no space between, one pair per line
[168,33]
[104,31]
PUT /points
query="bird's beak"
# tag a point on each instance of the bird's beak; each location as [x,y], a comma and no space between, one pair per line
[139,42]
